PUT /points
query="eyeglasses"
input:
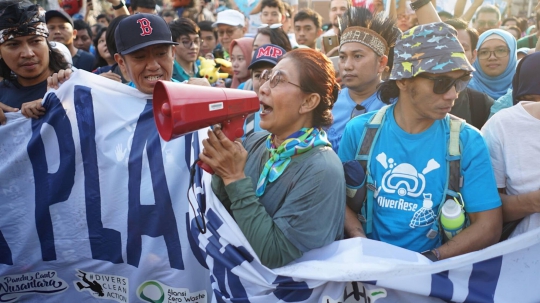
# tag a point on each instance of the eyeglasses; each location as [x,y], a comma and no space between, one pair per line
[229,32]
[498,53]
[358,110]
[271,26]
[275,78]
[189,43]
[482,23]
[443,84]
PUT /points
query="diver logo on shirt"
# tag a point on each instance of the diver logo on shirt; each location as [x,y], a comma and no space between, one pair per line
[404,180]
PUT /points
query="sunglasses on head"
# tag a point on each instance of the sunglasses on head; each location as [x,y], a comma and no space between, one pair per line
[272,26]
[443,84]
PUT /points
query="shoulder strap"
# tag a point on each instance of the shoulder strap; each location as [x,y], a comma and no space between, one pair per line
[370,135]
[455,180]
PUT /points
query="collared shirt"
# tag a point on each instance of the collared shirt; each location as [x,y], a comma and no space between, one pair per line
[342,114]
[180,74]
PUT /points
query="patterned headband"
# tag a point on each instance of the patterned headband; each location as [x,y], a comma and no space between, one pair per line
[367,37]
[35,26]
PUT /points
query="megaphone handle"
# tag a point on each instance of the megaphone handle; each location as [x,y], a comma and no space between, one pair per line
[205,166]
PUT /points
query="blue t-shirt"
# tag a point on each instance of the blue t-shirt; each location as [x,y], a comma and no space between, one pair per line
[84,60]
[410,173]
[342,114]
[13,94]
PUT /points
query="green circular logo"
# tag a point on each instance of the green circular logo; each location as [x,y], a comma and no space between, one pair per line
[143,286]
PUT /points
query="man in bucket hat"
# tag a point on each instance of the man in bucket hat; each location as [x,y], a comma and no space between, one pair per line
[411,168]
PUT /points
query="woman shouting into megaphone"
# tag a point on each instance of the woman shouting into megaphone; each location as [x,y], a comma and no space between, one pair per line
[284,186]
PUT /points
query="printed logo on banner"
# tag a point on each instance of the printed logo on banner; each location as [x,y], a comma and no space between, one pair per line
[42,282]
[102,286]
[356,292]
[157,292]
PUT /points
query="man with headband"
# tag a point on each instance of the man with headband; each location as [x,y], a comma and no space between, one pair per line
[363,56]
[411,164]
[26,58]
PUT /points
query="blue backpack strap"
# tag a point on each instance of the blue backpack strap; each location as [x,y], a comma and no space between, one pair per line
[454,181]
[363,156]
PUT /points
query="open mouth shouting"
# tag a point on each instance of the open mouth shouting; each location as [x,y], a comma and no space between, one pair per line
[265,109]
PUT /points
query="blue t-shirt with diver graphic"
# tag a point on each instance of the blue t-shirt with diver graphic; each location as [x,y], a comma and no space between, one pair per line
[410,172]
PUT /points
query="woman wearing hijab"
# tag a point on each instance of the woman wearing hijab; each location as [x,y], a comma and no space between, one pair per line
[240,58]
[525,84]
[496,64]
[280,180]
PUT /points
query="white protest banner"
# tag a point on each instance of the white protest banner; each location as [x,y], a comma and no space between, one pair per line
[505,272]
[93,204]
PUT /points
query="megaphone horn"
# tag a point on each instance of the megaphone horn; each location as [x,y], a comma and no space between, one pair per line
[180,109]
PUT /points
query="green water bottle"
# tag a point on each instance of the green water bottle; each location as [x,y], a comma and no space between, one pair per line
[452,218]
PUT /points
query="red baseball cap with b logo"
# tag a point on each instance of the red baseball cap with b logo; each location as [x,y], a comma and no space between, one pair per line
[141,30]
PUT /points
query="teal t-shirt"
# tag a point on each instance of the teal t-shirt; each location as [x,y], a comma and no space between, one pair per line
[410,173]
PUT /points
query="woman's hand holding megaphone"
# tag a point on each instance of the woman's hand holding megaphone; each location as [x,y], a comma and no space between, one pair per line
[225,157]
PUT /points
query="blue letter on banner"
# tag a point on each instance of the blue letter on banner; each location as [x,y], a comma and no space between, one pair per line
[105,243]
[56,187]
[151,220]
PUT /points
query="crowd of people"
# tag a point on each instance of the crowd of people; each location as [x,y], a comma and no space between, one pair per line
[376,138]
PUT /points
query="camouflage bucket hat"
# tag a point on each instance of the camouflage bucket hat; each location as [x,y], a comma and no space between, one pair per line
[428,48]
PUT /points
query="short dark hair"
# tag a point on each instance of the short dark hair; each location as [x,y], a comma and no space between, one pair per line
[517,29]
[57,61]
[169,13]
[183,27]
[143,3]
[488,9]
[207,27]
[459,24]
[80,25]
[510,19]
[277,37]
[308,13]
[101,16]
[109,36]
[273,3]
[445,14]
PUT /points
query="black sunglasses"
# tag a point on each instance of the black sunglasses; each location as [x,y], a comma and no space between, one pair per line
[358,110]
[443,84]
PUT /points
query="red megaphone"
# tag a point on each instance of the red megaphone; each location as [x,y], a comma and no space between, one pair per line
[181,108]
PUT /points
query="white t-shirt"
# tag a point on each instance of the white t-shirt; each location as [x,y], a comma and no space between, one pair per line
[514,148]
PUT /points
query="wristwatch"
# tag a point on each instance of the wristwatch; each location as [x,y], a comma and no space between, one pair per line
[430,255]
[418,4]
[119,6]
